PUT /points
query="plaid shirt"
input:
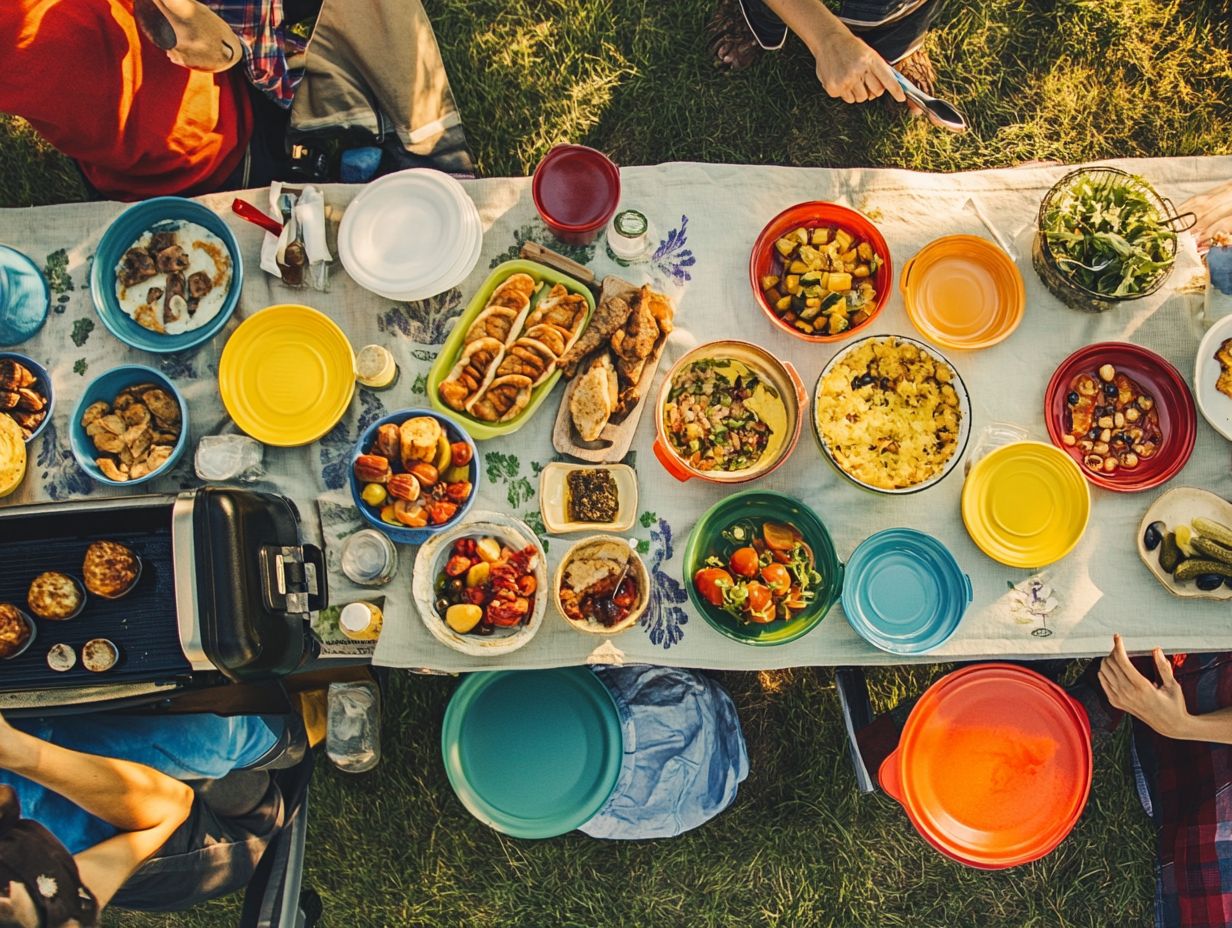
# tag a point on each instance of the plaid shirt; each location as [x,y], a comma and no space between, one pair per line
[1189,785]
[268,42]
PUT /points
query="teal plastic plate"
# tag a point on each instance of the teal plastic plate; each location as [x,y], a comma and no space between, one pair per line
[532,753]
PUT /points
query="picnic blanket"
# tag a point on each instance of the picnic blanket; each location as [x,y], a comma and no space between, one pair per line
[704,220]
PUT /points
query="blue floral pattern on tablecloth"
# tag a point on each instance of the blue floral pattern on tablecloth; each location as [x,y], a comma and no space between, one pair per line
[673,258]
[336,445]
[424,321]
[61,475]
[664,619]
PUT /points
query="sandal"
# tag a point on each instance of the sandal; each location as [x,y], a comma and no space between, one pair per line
[729,38]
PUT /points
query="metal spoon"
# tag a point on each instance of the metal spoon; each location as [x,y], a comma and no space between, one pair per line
[941,114]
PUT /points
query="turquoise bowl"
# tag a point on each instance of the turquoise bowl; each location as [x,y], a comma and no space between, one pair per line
[763,506]
[105,387]
[158,213]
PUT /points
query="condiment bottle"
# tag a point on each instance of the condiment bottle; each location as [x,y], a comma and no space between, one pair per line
[628,234]
[375,368]
[369,558]
[360,621]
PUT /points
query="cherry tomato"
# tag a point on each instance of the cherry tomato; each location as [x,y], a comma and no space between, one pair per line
[760,604]
[795,599]
[743,562]
[457,565]
[506,614]
[458,492]
[780,536]
[441,511]
[777,578]
[459,453]
[711,582]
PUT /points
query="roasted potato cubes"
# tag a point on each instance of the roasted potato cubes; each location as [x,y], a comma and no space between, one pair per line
[823,280]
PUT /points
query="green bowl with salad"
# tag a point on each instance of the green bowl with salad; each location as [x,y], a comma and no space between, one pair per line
[761,569]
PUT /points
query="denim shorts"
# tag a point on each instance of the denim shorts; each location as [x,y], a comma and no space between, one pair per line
[893,28]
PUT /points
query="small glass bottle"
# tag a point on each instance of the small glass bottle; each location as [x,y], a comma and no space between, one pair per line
[360,621]
[369,558]
[628,234]
[375,368]
[353,726]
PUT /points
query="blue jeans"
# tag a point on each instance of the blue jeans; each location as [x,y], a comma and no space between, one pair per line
[187,747]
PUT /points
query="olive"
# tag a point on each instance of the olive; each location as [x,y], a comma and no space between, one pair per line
[442,605]
[1208,581]
[885,383]
[483,628]
[1072,399]
[1110,389]
[1093,434]
[456,585]
[1153,535]
[855,383]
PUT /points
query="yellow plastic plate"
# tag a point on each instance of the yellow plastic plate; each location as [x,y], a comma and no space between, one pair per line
[1026,504]
[478,429]
[287,375]
[962,291]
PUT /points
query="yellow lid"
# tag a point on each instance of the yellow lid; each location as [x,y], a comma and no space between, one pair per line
[1026,504]
[287,375]
[962,291]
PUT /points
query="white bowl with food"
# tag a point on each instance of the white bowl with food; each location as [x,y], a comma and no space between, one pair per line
[602,586]
[1213,371]
[858,405]
[481,588]
[587,497]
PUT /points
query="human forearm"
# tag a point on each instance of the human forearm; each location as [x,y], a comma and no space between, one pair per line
[811,20]
[131,797]
[1215,727]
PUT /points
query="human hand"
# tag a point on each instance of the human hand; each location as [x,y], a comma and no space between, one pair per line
[1213,209]
[204,42]
[848,68]
[1161,707]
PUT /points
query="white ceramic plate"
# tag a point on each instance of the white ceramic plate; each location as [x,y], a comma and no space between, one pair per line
[1178,507]
[409,235]
[430,561]
[553,498]
[466,263]
[1216,408]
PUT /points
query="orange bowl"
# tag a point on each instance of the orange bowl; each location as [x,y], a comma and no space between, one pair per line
[764,259]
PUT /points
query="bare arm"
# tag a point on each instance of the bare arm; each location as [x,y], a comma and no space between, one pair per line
[1161,707]
[846,66]
[145,805]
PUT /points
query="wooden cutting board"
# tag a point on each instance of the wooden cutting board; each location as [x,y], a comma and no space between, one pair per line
[616,438]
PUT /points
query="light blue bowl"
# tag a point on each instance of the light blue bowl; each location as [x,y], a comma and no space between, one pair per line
[404,534]
[43,379]
[105,387]
[160,212]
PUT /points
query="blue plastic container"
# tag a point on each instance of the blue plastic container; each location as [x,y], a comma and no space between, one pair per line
[43,380]
[903,592]
[158,213]
[404,534]
[24,297]
[105,387]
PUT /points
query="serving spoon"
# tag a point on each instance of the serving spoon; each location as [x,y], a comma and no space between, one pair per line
[941,114]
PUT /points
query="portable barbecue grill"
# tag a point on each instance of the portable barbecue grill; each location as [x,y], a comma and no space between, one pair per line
[225,592]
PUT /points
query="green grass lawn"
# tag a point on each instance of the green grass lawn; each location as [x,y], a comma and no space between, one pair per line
[1070,80]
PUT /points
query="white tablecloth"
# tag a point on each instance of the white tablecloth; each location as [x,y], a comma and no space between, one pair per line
[705,218]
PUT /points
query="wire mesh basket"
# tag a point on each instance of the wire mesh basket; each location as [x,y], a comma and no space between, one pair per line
[1058,271]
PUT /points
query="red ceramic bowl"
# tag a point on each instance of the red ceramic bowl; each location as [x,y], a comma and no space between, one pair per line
[765,260]
[1177,415]
[576,190]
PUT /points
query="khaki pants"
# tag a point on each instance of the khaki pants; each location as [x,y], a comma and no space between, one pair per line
[374,65]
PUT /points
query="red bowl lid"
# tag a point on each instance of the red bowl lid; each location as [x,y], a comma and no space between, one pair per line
[576,188]
[995,764]
[1178,418]
[818,213]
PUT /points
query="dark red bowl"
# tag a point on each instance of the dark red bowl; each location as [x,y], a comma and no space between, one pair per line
[576,190]
[1177,415]
[764,258]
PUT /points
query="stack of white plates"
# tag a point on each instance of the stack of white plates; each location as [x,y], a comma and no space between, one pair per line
[410,235]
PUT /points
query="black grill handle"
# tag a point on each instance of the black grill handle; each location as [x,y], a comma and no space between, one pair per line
[316,557]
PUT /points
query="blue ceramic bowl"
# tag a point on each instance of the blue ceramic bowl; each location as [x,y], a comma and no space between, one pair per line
[159,212]
[403,534]
[904,592]
[43,379]
[105,387]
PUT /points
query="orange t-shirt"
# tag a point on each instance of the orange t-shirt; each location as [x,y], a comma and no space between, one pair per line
[83,74]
